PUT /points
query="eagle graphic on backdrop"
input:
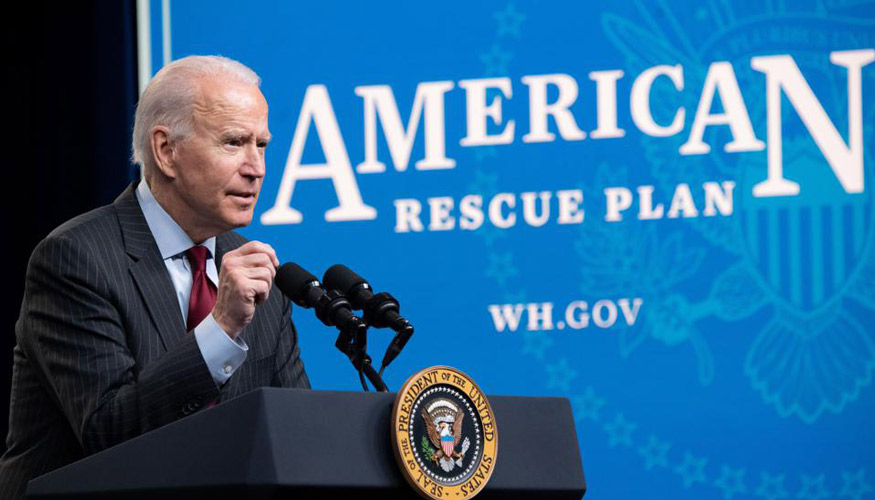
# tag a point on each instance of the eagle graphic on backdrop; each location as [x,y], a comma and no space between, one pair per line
[443,420]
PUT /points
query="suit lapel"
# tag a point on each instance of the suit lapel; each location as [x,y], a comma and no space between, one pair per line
[223,246]
[148,269]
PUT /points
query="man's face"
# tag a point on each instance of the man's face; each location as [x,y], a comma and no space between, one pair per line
[220,166]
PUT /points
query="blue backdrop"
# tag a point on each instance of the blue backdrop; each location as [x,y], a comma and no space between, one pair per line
[713,331]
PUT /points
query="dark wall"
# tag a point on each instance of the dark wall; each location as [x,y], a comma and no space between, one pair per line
[69,101]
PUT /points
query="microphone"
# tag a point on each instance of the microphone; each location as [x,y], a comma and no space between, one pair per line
[380,310]
[332,309]
[305,290]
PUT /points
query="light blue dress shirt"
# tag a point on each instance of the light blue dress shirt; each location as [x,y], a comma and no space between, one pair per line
[222,354]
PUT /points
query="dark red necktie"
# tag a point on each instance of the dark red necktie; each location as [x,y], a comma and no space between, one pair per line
[203,292]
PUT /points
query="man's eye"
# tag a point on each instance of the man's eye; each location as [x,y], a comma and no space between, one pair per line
[262,144]
[234,142]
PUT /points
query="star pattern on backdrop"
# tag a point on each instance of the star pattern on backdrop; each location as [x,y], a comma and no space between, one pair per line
[560,375]
[813,488]
[509,20]
[515,297]
[536,344]
[484,183]
[496,61]
[771,487]
[587,405]
[691,470]
[655,452]
[501,267]
[620,431]
[731,482]
[490,233]
[855,485]
[484,152]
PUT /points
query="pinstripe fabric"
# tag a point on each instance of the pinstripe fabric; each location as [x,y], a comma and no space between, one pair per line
[102,354]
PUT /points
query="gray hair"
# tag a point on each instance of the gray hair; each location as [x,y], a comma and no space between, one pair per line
[169,98]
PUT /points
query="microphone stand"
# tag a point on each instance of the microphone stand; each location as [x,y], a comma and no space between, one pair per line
[352,341]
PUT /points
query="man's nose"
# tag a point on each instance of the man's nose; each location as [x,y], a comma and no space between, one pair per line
[253,162]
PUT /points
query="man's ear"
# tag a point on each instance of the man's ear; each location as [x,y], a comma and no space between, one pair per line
[163,150]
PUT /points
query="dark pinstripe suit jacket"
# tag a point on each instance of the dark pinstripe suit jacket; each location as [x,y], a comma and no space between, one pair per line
[102,354]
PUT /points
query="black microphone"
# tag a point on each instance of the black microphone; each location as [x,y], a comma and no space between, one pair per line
[305,290]
[380,310]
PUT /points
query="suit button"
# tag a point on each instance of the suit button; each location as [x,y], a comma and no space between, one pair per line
[191,406]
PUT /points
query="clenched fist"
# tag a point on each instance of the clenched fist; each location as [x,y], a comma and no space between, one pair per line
[244,282]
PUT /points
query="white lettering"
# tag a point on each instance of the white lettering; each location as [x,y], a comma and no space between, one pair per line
[407,216]
[577,321]
[682,202]
[539,110]
[598,318]
[640,101]
[846,161]
[380,102]
[540,316]
[471,208]
[317,108]
[718,197]
[478,111]
[495,212]
[569,206]
[606,104]
[618,199]
[721,79]
[440,218]
[529,210]
[630,314]
[506,316]
[646,211]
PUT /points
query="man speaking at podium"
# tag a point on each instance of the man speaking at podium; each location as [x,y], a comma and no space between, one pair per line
[147,310]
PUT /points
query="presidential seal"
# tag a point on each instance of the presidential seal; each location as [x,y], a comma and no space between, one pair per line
[444,434]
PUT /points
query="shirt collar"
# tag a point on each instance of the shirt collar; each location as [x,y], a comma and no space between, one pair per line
[171,239]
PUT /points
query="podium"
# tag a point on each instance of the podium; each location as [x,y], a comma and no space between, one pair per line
[304,444]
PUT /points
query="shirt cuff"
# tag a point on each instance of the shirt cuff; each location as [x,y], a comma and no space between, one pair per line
[222,354]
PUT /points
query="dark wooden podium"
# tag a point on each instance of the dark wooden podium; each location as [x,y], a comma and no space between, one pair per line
[301,444]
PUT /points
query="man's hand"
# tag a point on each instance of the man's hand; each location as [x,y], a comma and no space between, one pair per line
[244,282]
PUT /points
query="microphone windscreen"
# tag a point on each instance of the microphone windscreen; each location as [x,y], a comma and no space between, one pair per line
[341,278]
[293,280]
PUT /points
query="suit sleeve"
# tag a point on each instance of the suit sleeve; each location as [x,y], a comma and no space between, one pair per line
[75,332]
[289,367]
